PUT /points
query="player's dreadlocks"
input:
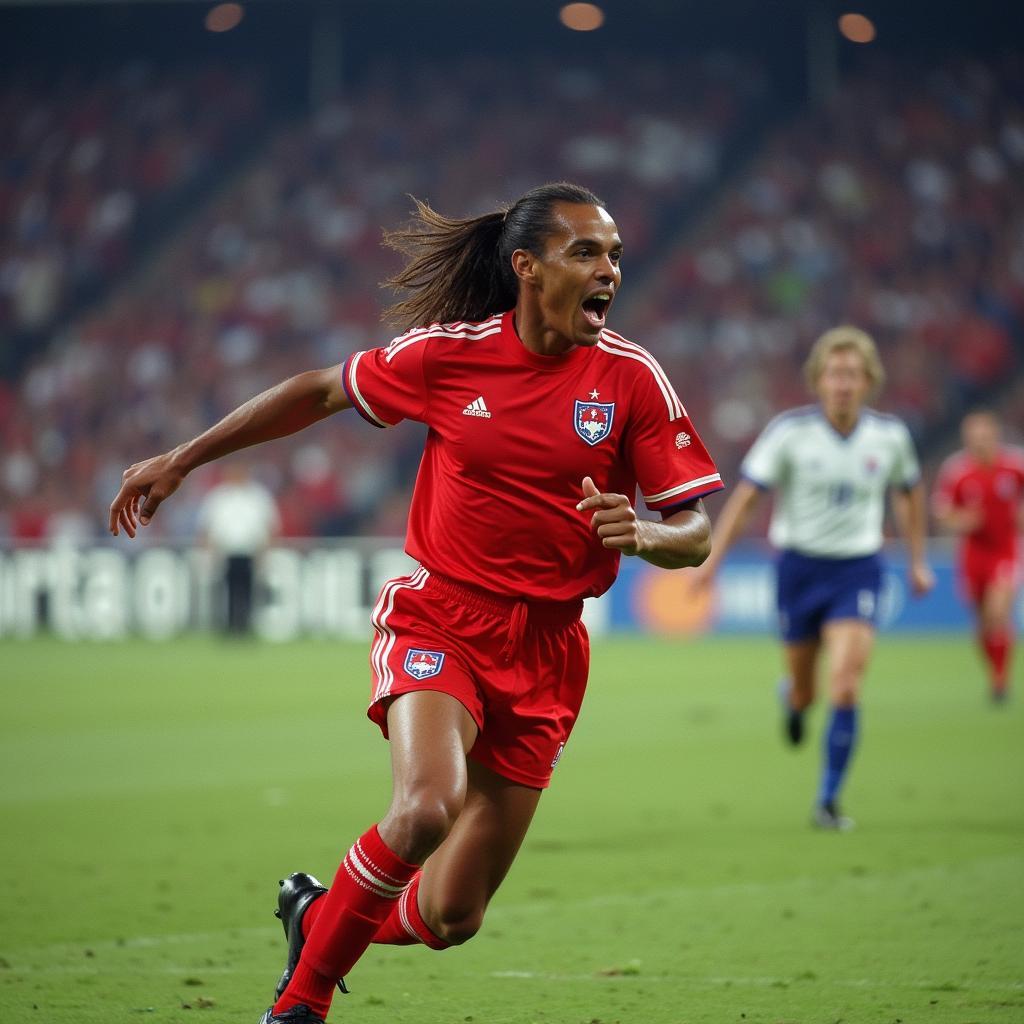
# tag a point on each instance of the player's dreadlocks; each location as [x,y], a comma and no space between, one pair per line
[462,269]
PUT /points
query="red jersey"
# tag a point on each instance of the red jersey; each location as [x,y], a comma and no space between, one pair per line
[511,436]
[997,489]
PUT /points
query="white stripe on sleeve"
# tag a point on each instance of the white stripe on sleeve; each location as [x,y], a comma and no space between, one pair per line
[358,395]
[682,489]
[620,347]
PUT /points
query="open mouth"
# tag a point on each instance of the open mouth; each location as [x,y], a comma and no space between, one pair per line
[595,307]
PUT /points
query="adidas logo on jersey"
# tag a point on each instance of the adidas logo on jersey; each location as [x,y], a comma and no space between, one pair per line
[477,408]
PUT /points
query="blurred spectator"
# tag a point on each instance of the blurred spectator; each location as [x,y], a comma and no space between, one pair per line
[237,520]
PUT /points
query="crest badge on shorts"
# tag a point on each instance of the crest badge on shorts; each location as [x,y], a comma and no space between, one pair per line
[422,664]
[593,420]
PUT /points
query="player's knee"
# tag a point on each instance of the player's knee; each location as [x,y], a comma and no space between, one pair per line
[995,620]
[424,819]
[847,675]
[845,690]
[457,925]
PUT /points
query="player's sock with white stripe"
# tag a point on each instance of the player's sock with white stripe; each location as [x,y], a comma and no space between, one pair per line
[840,739]
[405,926]
[365,890]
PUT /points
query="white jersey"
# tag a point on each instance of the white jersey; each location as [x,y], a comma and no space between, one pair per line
[239,518]
[830,488]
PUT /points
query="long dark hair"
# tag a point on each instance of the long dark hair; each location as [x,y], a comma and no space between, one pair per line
[462,269]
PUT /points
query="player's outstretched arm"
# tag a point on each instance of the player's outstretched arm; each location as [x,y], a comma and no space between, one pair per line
[681,540]
[910,507]
[730,524]
[287,407]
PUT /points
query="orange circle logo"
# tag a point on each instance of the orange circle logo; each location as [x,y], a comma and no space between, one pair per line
[669,602]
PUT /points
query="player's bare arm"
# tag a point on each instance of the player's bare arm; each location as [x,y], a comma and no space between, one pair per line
[683,539]
[730,524]
[910,507]
[963,520]
[286,408]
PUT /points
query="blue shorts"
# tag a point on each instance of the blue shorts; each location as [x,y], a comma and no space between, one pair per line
[813,591]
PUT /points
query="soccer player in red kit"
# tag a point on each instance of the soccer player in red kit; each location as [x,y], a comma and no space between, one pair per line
[542,426]
[980,496]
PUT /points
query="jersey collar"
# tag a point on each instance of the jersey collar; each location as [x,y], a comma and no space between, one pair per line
[550,364]
[835,430]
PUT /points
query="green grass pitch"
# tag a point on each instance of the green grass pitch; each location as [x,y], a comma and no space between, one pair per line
[152,795]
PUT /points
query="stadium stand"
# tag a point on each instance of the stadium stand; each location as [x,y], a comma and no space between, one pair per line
[90,162]
[282,272]
[878,213]
[899,207]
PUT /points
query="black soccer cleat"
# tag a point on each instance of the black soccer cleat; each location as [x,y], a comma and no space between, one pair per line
[298,1014]
[298,891]
[827,816]
[794,726]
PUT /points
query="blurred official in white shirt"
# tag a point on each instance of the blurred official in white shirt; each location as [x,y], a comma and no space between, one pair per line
[238,519]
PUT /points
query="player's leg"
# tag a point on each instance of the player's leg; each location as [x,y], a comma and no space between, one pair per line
[430,733]
[848,643]
[799,687]
[800,608]
[995,614]
[974,580]
[525,731]
[445,904]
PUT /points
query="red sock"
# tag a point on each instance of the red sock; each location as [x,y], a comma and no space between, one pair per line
[311,914]
[405,925]
[363,894]
[997,644]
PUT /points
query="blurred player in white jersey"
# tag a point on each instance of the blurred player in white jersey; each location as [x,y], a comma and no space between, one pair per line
[830,465]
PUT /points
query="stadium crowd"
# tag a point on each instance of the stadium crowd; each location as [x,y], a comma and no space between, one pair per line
[879,214]
[282,274]
[898,207]
[86,158]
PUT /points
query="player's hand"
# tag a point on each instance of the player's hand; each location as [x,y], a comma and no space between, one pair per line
[922,579]
[971,519]
[143,487]
[614,520]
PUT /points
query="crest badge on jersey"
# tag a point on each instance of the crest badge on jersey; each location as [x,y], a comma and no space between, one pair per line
[593,420]
[423,664]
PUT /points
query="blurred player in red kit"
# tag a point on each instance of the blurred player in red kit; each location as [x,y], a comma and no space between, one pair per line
[542,426]
[980,496]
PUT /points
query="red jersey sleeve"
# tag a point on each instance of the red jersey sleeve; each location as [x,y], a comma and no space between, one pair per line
[669,459]
[387,385]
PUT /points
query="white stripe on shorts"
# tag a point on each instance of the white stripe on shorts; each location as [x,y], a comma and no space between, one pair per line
[384,642]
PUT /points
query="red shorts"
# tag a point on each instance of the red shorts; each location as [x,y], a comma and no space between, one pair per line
[979,570]
[519,667]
